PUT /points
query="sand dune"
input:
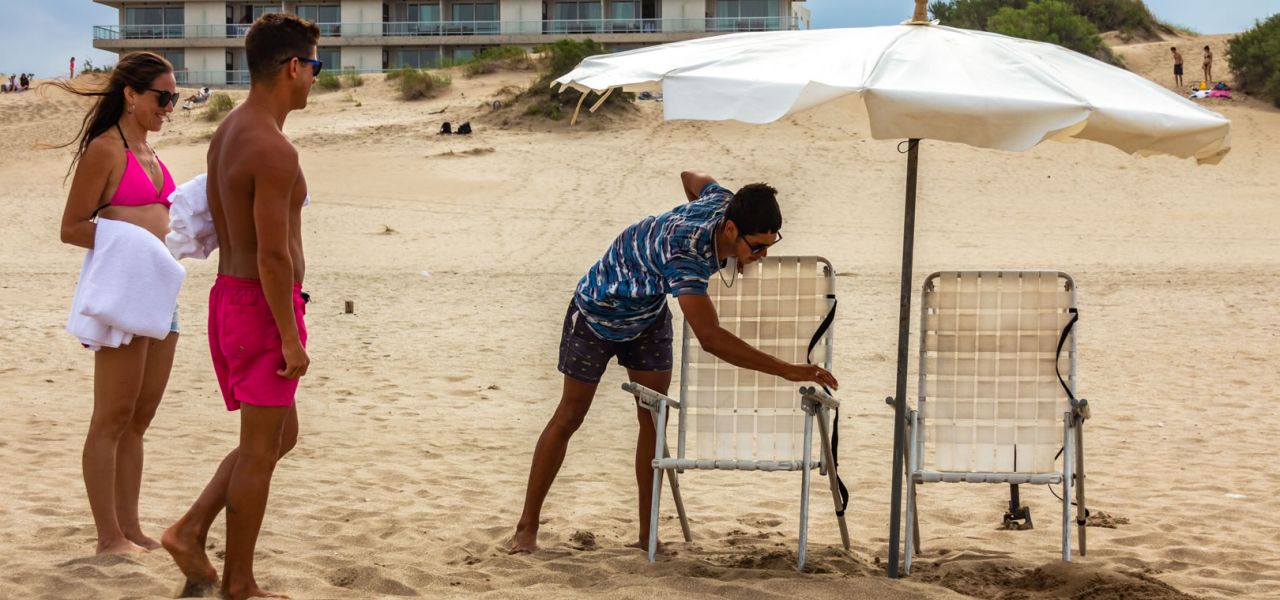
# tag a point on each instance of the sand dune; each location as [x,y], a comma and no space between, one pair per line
[421,409]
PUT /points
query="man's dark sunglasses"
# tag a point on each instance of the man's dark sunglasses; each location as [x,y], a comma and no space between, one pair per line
[758,248]
[315,64]
[166,97]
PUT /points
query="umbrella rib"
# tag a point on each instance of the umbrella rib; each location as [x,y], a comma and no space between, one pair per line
[875,69]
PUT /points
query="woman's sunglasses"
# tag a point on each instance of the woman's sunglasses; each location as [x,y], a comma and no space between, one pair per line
[166,97]
[315,64]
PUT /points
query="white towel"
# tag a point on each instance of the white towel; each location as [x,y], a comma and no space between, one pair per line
[191,230]
[128,286]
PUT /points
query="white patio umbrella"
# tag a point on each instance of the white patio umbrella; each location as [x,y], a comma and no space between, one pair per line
[918,81]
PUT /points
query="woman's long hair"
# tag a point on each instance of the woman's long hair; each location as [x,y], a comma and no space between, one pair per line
[136,70]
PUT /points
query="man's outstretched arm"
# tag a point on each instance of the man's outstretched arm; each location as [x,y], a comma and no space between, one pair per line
[701,315]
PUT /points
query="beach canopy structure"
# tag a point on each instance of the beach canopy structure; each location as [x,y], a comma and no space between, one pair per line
[997,396]
[737,419]
[918,81]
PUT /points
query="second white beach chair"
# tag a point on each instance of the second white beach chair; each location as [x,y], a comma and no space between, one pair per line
[998,397]
[735,419]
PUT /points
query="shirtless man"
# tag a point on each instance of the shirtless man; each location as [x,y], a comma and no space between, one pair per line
[1177,68]
[256,331]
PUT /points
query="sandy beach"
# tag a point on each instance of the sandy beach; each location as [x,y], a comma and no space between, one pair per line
[421,409]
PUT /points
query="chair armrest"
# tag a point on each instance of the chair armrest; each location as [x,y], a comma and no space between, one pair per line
[819,396]
[649,398]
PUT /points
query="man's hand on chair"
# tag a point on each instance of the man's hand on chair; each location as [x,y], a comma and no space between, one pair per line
[812,373]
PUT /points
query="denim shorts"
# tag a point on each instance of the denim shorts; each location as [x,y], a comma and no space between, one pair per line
[173,324]
[584,355]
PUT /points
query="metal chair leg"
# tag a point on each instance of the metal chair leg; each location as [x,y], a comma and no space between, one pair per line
[828,459]
[804,488]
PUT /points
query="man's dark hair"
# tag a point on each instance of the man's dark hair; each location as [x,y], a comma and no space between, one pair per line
[754,209]
[275,38]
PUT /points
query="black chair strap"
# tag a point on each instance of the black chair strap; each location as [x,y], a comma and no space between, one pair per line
[835,427]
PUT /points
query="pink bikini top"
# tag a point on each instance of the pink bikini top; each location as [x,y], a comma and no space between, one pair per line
[136,188]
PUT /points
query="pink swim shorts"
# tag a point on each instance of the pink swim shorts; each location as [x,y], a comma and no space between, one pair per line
[245,343]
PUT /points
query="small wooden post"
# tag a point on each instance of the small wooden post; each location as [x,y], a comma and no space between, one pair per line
[921,13]
[349,307]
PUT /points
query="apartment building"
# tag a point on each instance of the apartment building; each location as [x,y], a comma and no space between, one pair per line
[205,39]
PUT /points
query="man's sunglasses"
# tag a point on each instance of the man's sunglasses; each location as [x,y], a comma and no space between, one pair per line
[758,248]
[315,64]
[166,97]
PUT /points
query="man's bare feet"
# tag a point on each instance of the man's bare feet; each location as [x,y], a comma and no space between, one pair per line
[187,551]
[523,542]
[143,540]
[250,591]
[120,546]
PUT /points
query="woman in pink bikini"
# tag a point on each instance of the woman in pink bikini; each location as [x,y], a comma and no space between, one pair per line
[118,176]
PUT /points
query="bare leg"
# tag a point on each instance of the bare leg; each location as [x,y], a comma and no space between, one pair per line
[187,539]
[548,455]
[117,381]
[129,451]
[646,444]
[261,431]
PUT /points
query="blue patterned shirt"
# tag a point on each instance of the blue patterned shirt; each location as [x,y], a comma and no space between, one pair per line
[672,253]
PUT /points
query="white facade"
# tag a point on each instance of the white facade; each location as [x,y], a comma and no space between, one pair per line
[205,39]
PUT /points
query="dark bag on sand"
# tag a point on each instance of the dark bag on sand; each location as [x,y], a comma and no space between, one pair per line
[446,128]
[465,128]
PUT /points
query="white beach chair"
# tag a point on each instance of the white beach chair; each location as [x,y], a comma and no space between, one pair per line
[736,419]
[994,405]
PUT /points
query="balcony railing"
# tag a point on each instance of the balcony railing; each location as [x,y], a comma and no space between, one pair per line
[464,28]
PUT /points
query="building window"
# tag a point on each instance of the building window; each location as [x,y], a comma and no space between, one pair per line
[153,22]
[416,58]
[747,15]
[576,16]
[423,19]
[328,17]
[263,9]
[331,57]
[480,17]
[624,16]
[177,58]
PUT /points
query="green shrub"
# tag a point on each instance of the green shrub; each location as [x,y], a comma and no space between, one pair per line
[414,84]
[490,60]
[546,108]
[352,79]
[1254,59]
[219,105]
[1052,21]
[560,58]
[397,74]
[481,67]
[328,81]
[1129,17]
[970,14]
[502,53]
[89,68]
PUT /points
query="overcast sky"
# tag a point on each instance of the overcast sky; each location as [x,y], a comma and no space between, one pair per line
[40,36]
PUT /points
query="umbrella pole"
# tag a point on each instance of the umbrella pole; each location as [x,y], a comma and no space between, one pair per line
[904,323]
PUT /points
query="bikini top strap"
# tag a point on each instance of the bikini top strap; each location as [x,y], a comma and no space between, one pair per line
[94,216]
[126,147]
[126,142]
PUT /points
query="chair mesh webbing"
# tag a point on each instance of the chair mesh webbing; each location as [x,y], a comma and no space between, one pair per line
[991,401]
